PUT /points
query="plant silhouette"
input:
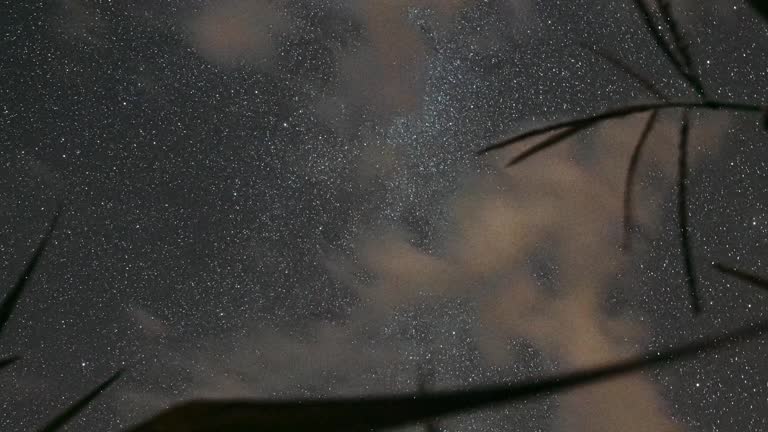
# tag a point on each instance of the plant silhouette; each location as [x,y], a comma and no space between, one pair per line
[381,412]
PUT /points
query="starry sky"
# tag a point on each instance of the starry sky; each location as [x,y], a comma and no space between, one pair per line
[277,198]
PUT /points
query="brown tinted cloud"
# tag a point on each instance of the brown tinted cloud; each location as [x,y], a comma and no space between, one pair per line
[561,204]
[553,204]
[572,211]
[232,32]
[384,73]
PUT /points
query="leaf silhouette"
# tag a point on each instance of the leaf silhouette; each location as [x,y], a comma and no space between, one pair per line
[8,361]
[634,160]
[761,6]
[627,69]
[379,412]
[618,113]
[676,52]
[680,46]
[751,278]
[425,379]
[60,420]
[549,142]
[13,296]
[682,214]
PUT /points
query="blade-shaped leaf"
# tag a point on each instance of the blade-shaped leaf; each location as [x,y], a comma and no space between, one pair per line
[682,214]
[680,46]
[751,278]
[13,296]
[60,420]
[7,361]
[426,378]
[658,37]
[761,6]
[634,160]
[619,64]
[549,142]
[392,411]
[671,51]
[618,113]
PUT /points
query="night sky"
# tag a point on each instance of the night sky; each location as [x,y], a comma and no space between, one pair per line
[276,198]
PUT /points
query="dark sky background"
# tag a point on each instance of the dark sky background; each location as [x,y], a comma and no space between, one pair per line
[281,198]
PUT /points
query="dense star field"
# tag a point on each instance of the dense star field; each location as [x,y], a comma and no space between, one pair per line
[278,198]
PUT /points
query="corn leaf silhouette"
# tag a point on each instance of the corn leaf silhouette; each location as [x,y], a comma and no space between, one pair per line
[8,361]
[758,281]
[60,420]
[619,113]
[367,413]
[677,51]
[13,296]
[682,213]
[616,62]
[680,46]
[761,6]
[549,142]
[634,161]
[426,378]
